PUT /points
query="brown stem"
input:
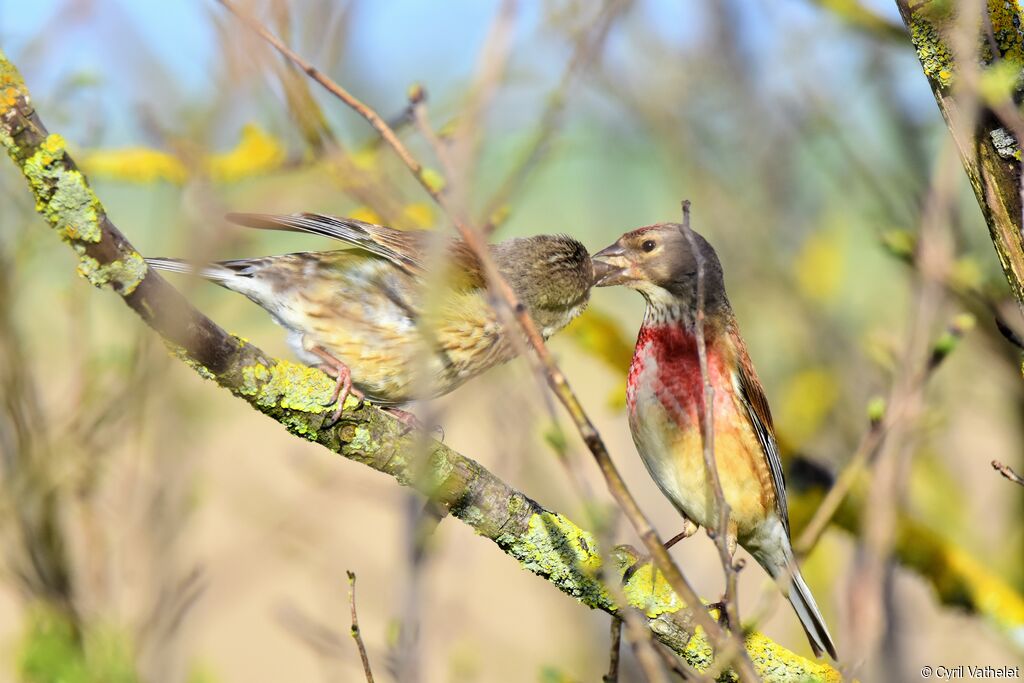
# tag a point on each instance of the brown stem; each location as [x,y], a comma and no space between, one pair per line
[613,652]
[356,635]
[1007,472]
[730,601]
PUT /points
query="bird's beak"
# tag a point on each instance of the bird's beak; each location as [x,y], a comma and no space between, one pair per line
[610,266]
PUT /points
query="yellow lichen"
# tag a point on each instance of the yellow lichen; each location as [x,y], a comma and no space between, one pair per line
[774,664]
[12,86]
[647,589]
[561,552]
[936,58]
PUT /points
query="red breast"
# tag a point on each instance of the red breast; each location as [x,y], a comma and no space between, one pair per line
[667,364]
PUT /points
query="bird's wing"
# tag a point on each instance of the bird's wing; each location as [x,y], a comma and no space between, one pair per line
[404,248]
[756,403]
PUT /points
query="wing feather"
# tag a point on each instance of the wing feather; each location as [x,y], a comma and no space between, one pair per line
[760,415]
[404,248]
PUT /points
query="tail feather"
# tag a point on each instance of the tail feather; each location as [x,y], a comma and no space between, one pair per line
[217,272]
[810,617]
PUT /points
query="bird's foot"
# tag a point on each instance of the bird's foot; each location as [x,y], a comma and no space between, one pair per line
[343,384]
[689,529]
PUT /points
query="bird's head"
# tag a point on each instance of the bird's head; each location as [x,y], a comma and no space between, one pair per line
[551,274]
[660,261]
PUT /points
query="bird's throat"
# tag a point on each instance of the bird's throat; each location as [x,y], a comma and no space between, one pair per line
[666,363]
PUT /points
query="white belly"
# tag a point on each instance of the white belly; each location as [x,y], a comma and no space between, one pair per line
[676,463]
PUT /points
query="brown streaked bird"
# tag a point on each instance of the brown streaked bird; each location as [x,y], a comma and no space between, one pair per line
[665,397]
[363,313]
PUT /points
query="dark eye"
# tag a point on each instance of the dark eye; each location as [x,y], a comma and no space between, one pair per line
[648,245]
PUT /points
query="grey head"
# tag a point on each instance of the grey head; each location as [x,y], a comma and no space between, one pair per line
[660,262]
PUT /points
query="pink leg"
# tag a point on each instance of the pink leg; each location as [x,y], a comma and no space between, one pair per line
[343,387]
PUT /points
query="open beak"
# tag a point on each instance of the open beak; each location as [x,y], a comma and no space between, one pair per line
[610,266]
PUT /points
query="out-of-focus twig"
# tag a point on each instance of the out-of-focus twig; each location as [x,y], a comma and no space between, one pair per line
[356,635]
[468,132]
[858,15]
[587,49]
[613,652]
[1007,472]
[730,600]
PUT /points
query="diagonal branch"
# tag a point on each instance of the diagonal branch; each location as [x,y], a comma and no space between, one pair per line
[542,541]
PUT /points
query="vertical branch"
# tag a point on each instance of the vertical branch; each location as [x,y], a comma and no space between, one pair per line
[723,539]
[613,652]
[994,172]
[356,635]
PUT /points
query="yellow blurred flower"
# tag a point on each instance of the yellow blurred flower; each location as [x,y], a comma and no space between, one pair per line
[257,152]
[366,214]
[134,164]
[806,400]
[819,265]
[419,215]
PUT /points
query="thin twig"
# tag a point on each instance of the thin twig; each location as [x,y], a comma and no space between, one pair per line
[356,635]
[900,406]
[613,652]
[730,600]
[586,49]
[507,296]
[1007,472]
[468,134]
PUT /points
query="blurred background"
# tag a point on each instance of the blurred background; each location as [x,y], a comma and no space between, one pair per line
[156,529]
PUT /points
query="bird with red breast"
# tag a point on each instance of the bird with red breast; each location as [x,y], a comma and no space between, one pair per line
[665,398]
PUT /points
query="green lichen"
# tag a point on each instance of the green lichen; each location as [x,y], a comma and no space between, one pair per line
[124,275]
[287,385]
[936,57]
[558,550]
[1005,19]
[927,27]
[62,195]
[361,439]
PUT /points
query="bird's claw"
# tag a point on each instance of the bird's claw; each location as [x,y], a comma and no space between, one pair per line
[342,387]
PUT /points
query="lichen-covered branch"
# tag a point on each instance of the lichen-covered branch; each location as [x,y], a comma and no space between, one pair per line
[990,155]
[544,542]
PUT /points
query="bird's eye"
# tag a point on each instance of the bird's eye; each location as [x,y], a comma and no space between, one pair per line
[648,245]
